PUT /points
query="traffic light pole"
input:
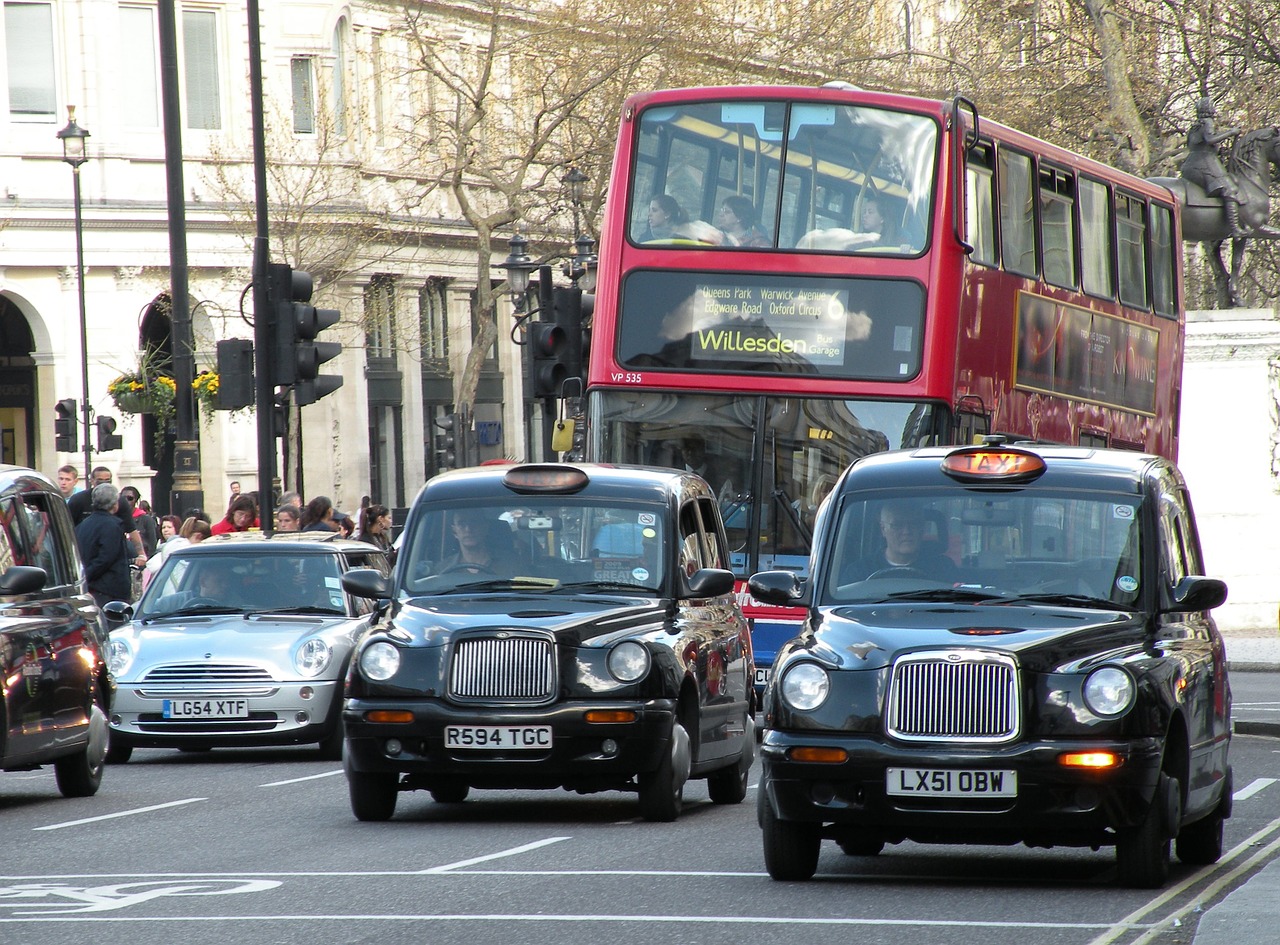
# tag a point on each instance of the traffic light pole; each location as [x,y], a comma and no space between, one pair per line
[263,316]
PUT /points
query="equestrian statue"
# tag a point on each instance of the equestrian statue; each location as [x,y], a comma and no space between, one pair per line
[1226,203]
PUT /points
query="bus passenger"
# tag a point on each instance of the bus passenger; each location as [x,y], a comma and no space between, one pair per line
[737,218]
[665,214]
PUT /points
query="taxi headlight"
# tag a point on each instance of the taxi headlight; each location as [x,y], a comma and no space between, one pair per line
[379,661]
[312,657]
[805,686]
[628,661]
[1109,691]
[119,656]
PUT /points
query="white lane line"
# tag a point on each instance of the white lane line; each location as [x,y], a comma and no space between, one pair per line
[514,851]
[122,813]
[1252,788]
[310,777]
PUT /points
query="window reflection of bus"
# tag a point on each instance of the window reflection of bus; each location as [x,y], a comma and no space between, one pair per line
[791,278]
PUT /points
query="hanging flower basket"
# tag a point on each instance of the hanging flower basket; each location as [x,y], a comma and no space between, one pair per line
[133,393]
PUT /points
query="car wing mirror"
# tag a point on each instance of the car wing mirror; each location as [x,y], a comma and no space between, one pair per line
[22,579]
[366,582]
[1195,593]
[117,611]
[782,588]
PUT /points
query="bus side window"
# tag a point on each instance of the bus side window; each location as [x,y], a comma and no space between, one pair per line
[980,224]
[1058,226]
[1098,277]
[1017,213]
[1131,240]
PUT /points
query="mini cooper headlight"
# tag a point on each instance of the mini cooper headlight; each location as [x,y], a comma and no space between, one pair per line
[805,686]
[628,661]
[312,657]
[1108,691]
[379,661]
[119,656]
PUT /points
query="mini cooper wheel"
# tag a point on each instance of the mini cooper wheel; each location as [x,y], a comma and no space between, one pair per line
[1142,852]
[662,791]
[118,753]
[790,849]
[80,775]
[373,794]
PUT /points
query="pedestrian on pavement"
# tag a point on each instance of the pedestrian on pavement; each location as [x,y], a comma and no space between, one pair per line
[147,527]
[318,515]
[69,481]
[288,518]
[103,547]
[80,506]
[241,516]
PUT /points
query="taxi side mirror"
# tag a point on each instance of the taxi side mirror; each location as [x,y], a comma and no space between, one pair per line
[710,582]
[782,588]
[22,579]
[1195,593]
[366,582]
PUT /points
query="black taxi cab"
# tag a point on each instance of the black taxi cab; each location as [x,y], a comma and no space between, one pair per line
[1005,643]
[56,686]
[553,626]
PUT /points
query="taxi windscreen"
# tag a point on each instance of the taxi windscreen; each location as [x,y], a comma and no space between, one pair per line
[1018,544]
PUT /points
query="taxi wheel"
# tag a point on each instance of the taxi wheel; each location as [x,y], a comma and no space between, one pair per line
[1142,852]
[662,791]
[729,785]
[373,794]
[790,850]
[80,775]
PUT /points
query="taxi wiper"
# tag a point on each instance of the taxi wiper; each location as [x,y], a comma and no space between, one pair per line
[204,609]
[949,593]
[1066,600]
[602,586]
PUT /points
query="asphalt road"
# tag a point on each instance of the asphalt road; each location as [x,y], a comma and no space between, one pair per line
[261,847]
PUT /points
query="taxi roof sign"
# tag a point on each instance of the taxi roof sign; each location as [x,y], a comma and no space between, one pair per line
[545,477]
[993,464]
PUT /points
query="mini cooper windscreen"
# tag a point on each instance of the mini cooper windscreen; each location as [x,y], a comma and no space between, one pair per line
[245,583]
[1031,544]
[537,543]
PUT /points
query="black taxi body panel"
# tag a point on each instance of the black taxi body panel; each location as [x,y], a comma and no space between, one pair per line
[56,688]
[1036,681]
[505,667]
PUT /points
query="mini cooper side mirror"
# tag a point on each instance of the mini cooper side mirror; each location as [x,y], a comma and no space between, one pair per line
[783,588]
[1194,593]
[366,582]
[117,611]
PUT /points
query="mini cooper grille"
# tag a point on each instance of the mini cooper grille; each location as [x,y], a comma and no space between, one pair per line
[518,668]
[957,695]
[207,672]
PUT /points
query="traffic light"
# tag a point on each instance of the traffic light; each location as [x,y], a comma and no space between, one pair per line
[297,354]
[567,304]
[452,442]
[108,439]
[549,345]
[235,374]
[64,426]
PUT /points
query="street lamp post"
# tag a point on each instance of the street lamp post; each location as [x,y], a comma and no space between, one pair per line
[73,152]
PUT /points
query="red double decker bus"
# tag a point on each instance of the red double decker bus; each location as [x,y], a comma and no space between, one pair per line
[793,277]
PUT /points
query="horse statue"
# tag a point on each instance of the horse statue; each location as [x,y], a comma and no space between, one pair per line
[1205,218]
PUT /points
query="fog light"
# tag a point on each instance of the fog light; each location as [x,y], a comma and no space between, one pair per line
[306,692]
[609,747]
[116,720]
[393,746]
[823,792]
[302,718]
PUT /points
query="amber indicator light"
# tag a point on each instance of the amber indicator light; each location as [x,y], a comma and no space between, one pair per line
[545,478]
[388,715]
[826,756]
[993,464]
[610,716]
[1090,759]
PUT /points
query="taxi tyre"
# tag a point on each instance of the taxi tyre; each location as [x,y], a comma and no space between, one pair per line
[729,785]
[1200,844]
[662,790]
[790,849]
[1142,852]
[454,793]
[373,794]
[80,775]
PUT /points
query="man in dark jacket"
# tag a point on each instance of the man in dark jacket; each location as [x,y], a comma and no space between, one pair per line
[103,547]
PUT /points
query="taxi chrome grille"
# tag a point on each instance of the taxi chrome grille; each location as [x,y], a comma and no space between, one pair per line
[954,695]
[504,667]
[207,673]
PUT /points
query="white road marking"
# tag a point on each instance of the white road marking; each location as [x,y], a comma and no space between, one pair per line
[1256,785]
[122,813]
[310,777]
[514,851]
